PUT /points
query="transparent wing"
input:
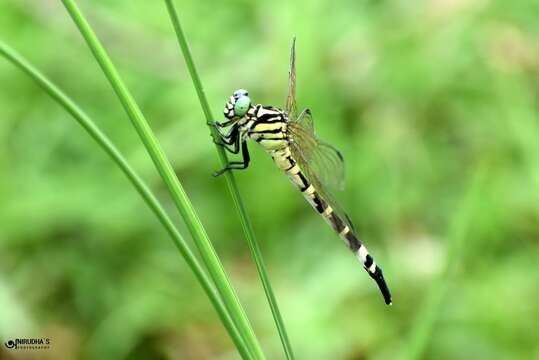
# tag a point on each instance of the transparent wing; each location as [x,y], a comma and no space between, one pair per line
[304,158]
[323,160]
[290,106]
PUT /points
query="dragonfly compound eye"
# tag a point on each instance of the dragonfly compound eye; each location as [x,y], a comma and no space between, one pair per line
[242,105]
[239,93]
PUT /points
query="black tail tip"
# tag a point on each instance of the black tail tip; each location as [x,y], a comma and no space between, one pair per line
[378,276]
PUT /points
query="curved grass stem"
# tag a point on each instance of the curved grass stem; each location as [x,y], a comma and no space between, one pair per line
[231,184]
[163,166]
[104,142]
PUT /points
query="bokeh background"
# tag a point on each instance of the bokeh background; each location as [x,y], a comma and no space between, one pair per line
[434,104]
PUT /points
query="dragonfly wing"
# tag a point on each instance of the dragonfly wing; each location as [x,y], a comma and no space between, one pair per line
[310,173]
[322,158]
[320,162]
[329,164]
[290,106]
[305,122]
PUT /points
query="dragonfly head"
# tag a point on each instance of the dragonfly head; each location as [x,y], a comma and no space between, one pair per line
[238,104]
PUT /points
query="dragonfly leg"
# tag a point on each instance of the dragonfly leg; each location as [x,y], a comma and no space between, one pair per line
[237,165]
[221,137]
[220,124]
[231,138]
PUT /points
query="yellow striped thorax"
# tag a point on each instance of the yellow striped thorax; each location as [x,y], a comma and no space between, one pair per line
[267,125]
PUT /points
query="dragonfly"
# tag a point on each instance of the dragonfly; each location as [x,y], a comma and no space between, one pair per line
[312,165]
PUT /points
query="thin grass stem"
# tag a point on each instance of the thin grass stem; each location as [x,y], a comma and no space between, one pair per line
[163,166]
[104,142]
[231,184]
[423,328]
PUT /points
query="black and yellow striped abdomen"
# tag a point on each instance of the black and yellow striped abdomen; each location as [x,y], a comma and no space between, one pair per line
[284,160]
[268,127]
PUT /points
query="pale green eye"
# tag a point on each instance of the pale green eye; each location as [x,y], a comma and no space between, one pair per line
[242,105]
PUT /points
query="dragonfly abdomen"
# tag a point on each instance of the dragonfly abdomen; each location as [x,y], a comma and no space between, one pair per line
[285,161]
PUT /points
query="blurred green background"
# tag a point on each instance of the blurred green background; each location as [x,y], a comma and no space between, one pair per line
[434,104]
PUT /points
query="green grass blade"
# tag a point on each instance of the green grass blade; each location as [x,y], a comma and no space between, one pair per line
[183,204]
[422,331]
[102,140]
[231,183]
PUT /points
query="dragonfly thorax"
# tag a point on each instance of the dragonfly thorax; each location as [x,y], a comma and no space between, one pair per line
[267,125]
